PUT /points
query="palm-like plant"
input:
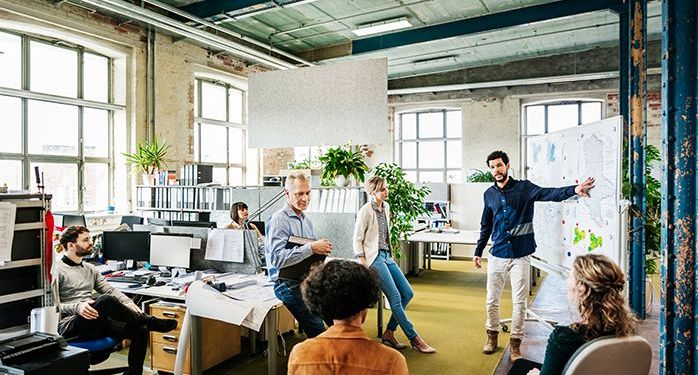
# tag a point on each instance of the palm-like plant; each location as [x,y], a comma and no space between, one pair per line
[344,161]
[148,157]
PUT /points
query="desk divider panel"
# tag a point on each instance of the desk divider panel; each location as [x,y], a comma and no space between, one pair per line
[198,256]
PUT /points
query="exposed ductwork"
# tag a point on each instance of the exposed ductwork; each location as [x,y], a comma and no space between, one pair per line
[163,22]
[221,29]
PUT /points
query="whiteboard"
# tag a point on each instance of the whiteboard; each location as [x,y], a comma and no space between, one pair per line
[321,105]
[578,225]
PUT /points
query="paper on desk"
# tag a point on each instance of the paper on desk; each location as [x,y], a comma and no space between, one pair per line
[209,303]
[7,229]
[225,245]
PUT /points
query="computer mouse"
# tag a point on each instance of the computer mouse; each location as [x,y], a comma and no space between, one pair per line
[159,283]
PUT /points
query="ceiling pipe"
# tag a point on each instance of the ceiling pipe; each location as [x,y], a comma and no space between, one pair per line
[515,82]
[179,28]
[212,25]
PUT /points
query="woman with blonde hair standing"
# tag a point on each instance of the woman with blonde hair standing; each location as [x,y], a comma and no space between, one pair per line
[595,288]
[372,247]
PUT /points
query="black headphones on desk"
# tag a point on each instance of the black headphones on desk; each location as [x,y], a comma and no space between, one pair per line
[221,287]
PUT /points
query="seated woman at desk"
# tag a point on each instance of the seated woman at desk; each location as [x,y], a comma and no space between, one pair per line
[239,213]
[595,287]
[372,247]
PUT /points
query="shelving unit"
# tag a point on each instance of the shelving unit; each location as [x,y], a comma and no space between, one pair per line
[24,278]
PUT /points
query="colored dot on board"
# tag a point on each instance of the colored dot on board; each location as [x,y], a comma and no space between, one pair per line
[563,222]
[576,181]
[577,224]
[589,230]
[569,254]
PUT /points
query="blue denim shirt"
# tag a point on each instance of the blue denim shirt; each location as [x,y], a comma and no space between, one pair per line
[508,217]
[285,223]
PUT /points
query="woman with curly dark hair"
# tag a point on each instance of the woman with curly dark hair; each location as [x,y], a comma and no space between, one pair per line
[343,290]
[595,287]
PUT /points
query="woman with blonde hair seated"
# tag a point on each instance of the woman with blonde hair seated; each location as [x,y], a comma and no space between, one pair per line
[595,287]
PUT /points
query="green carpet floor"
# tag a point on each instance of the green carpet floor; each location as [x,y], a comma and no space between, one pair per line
[448,311]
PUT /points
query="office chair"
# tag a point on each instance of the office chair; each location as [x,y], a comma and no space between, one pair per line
[131,220]
[611,355]
[100,349]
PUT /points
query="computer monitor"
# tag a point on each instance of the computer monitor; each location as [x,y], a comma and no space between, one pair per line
[131,220]
[69,220]
[259,225]
[155,221]
[170,250]
[195,224]
[126,246]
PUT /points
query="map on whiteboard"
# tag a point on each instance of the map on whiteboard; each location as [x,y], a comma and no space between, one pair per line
[578,225]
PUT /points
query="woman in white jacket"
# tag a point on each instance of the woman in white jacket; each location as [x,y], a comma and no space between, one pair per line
[372,247]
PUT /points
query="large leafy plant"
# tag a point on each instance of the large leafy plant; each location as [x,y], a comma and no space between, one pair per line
[406,202]
[344,161]
[149,157]
[477,175]
[653,201]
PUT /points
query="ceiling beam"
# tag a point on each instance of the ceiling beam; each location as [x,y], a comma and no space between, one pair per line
[516,17]
[210,8]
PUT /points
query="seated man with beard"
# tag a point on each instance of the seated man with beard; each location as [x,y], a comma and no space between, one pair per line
[110,314]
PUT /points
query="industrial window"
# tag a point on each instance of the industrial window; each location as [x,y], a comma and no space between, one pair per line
[221,134]
[58,116]
[543,118]
[428,145]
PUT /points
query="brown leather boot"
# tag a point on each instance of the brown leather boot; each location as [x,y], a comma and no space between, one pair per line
[515,349]
[491,344]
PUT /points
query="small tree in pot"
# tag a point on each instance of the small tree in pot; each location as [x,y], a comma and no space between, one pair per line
[406,202]
[148,159]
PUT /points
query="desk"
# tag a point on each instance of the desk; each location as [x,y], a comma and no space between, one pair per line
[216,307]
[463,237]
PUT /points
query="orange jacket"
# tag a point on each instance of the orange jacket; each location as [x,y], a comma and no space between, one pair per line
[346,350]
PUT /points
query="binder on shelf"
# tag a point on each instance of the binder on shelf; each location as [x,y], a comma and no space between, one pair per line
[298,271]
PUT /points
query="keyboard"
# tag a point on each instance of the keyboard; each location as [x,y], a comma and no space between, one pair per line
[128,279]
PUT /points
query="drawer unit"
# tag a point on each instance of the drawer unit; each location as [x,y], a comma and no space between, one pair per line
[220,340]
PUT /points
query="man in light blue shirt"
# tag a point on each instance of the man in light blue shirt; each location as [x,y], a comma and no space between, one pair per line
[290,221]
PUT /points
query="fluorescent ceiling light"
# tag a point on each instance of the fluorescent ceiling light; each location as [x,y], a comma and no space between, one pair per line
[382,26]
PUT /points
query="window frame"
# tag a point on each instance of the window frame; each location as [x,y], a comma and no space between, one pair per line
[399,141]
[25,95]
[548,103]
[227,124]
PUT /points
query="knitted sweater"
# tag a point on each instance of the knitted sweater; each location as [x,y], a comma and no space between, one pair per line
[75,285]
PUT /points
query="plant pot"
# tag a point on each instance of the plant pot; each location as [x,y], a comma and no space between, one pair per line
[148,179]
[341,181]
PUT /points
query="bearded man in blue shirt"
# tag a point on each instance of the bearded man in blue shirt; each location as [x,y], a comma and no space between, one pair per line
[508,218]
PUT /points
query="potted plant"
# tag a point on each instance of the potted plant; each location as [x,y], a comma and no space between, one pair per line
[406,202]
[148,159]
[477,175]
[341,163]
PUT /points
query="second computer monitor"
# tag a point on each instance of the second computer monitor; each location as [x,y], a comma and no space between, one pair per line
[170,250]
[196,224]
[126,246]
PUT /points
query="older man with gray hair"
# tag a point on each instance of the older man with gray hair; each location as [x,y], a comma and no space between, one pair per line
[288,259]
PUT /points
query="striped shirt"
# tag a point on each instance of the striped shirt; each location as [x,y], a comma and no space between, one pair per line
[383,240]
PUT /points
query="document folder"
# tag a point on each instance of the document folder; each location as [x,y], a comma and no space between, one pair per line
[298,271]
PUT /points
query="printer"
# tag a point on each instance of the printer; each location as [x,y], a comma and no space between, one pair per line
[41,353]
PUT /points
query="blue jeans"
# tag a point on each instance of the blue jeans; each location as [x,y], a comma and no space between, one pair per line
[289,292]
[395,286]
